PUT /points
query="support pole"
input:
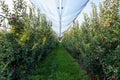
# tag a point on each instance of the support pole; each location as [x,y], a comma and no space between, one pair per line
[60,25]
[60,18]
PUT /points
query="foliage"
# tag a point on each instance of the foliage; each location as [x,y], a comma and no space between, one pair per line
[30,37]
[96,43]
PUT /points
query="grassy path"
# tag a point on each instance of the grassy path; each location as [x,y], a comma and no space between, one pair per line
[59,65]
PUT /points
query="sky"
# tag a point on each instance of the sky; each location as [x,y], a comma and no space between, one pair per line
[88,9]
[68,13]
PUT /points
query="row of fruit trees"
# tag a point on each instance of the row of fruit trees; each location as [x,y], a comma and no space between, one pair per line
[96,43]
[27,41]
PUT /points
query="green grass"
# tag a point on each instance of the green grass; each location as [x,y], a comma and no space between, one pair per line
[59,65]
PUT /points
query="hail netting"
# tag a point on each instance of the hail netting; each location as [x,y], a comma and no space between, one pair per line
[67,9]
